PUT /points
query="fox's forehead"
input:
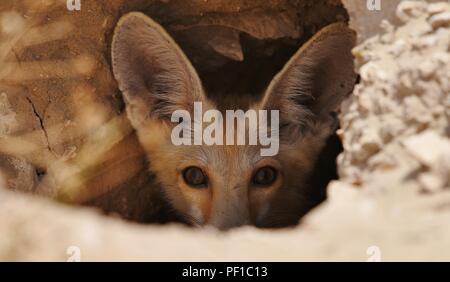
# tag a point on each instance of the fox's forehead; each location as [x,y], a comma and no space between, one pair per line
[224,157]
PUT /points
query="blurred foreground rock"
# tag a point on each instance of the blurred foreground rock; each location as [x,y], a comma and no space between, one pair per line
[350,226]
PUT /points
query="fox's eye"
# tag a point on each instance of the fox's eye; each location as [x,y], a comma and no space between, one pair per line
[195,177]
[265,176]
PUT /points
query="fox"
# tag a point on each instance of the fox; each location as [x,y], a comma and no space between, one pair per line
[232,185]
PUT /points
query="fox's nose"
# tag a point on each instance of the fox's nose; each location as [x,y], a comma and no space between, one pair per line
[228,224]
[229,209]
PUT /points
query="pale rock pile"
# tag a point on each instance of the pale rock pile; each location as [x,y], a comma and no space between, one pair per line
[395,127]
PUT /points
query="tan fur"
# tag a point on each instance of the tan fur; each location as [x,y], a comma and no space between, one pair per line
[156,78]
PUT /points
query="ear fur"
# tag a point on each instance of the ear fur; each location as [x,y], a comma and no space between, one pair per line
[315,80]
[154,75]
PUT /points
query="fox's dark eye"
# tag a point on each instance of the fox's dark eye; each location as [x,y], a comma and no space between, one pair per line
[195,177]
[265,176]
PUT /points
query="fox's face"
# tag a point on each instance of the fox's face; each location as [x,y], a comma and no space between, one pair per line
[232,185]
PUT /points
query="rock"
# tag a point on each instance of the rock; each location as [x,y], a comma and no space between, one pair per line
[440,20]
[428,147]
[410,9]
[436,8]
[402,99]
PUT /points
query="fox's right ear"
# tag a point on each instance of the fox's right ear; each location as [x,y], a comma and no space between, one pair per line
[153,73]
[313,83]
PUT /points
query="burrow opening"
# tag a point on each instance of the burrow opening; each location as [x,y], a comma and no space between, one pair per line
[237,47]
[246,70]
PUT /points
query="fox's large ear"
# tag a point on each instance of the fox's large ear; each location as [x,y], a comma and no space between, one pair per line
[153,73]
[314,82]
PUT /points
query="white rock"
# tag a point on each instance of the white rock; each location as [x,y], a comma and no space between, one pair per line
[431,182]
[436,8]
[409,9]
[427,147]
[440,20]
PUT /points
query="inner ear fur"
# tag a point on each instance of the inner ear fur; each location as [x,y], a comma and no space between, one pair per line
[316,79]
[152,72]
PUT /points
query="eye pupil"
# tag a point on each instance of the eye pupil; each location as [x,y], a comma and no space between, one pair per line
[195,177]
[265,176]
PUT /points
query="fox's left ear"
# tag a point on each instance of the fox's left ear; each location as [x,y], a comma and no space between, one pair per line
[154,75]
[314,82]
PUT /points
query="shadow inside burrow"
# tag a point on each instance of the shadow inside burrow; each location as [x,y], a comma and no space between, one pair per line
[224,77]
[245,80]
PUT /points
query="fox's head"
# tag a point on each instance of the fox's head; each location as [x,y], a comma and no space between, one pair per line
[232,185]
